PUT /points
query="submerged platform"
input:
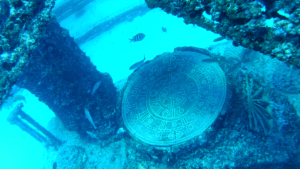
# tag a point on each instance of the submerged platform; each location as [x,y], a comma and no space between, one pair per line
[173,98]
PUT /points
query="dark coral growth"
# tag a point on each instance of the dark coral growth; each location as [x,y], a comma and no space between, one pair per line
[62,76]
[271,27]
[20,25]
[39,55]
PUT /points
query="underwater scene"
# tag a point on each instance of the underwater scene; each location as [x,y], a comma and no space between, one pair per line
[150,84]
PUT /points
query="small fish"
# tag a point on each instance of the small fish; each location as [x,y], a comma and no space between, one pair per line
[219,39]
[137,37]
[137,64]
[121,130]
[96,86]
[164,29]
[54,165]
[18,98]
[89,117]
[92,135]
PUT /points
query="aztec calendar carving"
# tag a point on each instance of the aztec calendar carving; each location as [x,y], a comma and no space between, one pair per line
[173,98]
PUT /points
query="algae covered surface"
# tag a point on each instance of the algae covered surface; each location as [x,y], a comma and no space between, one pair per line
[149,84]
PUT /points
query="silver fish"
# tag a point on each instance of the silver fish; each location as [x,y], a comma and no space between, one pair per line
[138,64]
[92,135]
[219,39]
[96,86]
[89,117]
[121,131]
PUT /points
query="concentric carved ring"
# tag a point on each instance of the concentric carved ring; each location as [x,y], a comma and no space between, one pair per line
[173,98]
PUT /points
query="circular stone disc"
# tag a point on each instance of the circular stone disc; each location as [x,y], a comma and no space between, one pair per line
[173,98]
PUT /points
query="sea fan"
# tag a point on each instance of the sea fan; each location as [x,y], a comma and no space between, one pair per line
[258,115]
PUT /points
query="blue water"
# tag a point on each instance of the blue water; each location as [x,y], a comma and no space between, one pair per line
[110,52]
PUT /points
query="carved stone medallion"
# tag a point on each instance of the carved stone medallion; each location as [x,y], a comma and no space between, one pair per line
[173,98]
